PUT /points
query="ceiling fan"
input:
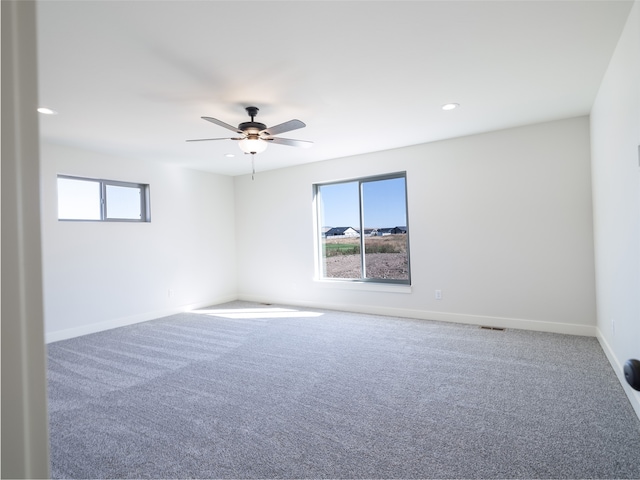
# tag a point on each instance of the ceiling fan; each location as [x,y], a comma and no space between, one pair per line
[255,136]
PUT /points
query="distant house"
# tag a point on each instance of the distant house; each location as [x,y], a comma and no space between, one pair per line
[342,232]
[368,232]
[392,231]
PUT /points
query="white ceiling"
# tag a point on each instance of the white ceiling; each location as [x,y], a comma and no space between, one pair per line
[133,78]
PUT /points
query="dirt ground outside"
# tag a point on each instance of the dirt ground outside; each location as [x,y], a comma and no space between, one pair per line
[385,256]
[379,265]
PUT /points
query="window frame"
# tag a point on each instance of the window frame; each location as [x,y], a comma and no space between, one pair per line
[320,270]
[145,209]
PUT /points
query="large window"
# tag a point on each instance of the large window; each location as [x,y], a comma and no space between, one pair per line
[363,229]
[102,200]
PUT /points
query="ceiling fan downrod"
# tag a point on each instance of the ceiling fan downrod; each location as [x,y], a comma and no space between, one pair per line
[252,111]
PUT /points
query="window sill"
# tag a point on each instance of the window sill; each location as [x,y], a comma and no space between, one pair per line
[364,286]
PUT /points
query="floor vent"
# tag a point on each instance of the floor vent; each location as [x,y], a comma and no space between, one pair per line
[499,329]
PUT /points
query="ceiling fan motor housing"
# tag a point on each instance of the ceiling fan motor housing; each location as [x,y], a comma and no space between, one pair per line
[251,127]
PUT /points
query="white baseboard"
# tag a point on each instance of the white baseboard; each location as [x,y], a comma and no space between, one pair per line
[68,333]
[634,396]
[501,322]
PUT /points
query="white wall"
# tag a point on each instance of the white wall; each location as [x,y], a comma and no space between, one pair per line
[101,275]
[615,134]
[500,222]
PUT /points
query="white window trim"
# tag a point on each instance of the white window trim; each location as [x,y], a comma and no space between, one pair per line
[370,285]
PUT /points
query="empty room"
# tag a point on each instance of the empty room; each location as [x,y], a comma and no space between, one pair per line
[321,239]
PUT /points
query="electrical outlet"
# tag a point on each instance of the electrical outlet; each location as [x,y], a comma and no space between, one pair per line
[170,293]
[438,294]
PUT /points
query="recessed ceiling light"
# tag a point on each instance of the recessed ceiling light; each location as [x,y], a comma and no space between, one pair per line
[47,111]
[450,106]
[230,155]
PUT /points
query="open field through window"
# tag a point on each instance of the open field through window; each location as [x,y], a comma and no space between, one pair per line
[87,199]
[363,229]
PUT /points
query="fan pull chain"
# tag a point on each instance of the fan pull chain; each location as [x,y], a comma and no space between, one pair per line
[253,166]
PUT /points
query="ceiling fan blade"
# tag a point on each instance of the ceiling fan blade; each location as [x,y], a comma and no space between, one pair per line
[290,142]
[207,139]
[283,127]
[222,124]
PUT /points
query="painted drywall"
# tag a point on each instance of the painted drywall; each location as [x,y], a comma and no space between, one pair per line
[615,139]
[100,275]
[25,427]
[500,222]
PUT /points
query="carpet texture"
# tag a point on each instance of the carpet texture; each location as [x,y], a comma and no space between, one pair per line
[245,390]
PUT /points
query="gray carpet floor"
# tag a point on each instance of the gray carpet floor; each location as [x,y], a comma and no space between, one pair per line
[245,390]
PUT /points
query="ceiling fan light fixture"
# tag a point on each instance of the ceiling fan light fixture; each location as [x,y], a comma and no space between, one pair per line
[252,144]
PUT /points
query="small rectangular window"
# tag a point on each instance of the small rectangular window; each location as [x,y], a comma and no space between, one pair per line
[363,229]
[102,200]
